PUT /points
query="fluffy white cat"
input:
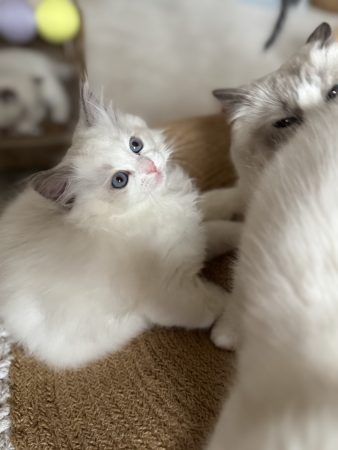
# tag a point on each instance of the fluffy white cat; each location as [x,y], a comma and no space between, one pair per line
[264,115]
[30,89]
[286,288]
[105,245]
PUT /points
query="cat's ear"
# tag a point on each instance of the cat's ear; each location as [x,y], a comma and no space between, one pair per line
[321,35]
[55,185]
[90,106]
[232,100]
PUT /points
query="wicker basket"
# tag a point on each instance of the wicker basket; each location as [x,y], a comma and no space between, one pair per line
[43,151]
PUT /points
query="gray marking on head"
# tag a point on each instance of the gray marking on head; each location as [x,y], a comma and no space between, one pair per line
[320,35]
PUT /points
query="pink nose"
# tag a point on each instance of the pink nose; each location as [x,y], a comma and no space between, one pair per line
[148,166]
[151,167]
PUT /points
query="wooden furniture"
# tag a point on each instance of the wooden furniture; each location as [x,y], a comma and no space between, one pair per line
[329,5]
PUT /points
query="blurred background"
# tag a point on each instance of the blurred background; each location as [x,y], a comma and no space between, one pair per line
[161,58]
[156,58]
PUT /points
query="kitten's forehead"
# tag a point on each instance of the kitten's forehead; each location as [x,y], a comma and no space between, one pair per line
[301,81]
[110,130]
[106,145]
[317,71]
[108,139]
[102,142]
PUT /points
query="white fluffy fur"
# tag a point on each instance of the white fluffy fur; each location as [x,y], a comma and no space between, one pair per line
[81,278]
[297,87]
[286,293]
[34,78]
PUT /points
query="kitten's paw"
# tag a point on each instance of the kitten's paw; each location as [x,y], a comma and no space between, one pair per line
[225,334]
[221,204]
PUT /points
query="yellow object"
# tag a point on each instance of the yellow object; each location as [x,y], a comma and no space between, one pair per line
[57,20]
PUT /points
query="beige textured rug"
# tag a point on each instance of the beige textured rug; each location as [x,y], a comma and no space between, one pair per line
[163,391]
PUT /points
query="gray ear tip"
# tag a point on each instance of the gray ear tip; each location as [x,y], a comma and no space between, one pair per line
[326,29]
[321,34]
[218,93]
[326,25]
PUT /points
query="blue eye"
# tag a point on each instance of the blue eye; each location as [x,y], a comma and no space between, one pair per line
[135,144]
[333,92]
[120,180]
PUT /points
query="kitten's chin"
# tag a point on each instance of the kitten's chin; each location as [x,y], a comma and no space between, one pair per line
[153,182]
[159,178]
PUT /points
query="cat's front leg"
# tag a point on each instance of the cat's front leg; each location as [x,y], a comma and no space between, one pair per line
[222,204]
[222,236]
[195,304]
[226,331]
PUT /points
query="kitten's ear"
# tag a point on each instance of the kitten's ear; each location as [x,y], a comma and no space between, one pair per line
[321,35]
[90,105]
[232,100]
[55,185]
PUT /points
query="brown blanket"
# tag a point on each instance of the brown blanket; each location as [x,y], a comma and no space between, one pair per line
[161,392]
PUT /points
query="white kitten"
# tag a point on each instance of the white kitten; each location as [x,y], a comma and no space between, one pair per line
[30,89]
[103,246]
[264,115]
[286,288]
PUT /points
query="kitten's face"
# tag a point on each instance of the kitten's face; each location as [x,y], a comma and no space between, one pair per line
[114,165]
[121,162]
[268,112]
